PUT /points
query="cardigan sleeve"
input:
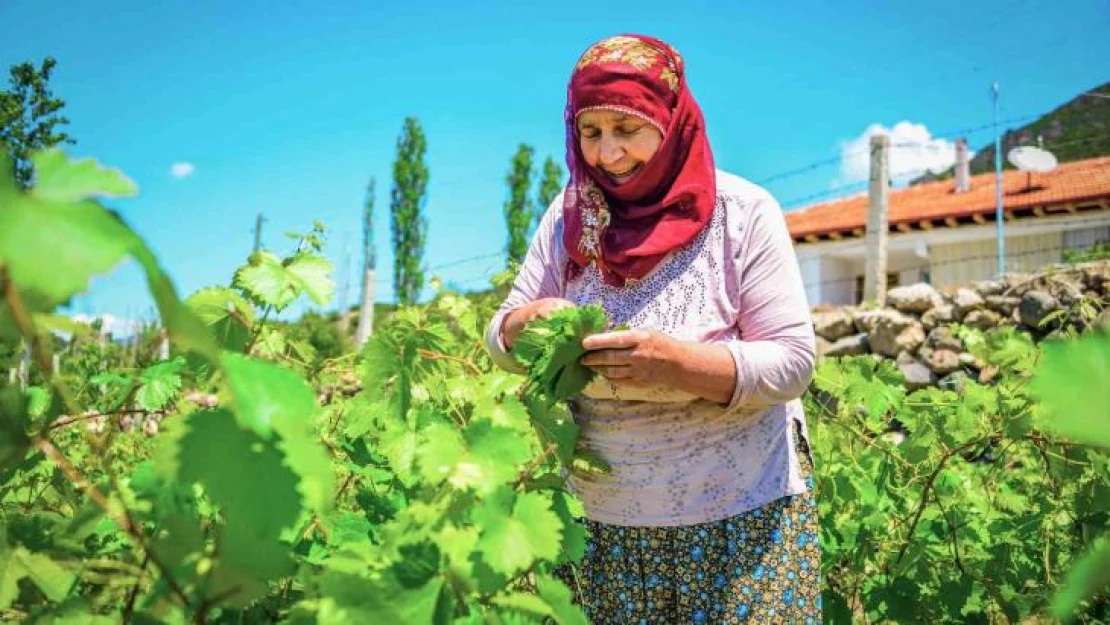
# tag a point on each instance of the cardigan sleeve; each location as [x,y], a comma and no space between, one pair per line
[776,350]
[540,276]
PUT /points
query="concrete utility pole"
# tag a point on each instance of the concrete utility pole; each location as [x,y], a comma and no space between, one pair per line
[878,193]
[369,262]
[258,232]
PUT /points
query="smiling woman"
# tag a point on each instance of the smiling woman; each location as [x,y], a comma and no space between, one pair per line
[707,514]
[617,144]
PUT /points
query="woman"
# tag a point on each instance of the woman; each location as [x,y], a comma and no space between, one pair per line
[706,516]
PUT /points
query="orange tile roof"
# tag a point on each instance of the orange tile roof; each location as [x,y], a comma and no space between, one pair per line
[1075,182]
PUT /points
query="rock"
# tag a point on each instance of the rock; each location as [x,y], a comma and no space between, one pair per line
[1035,306]
[917,375]
[821,346]
[1016,283]
[943,361]
[914,298]
[945,313]
[969,360]
[1102,321]
[832,325]
[954,381]
[966,301]
[866,320]
[988,374]
[982,319]
[986,288]
[1003,305]
[850,346]
[1097,276]
[943,338]
[895,333]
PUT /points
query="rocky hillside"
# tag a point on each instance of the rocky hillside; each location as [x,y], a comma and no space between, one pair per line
[914,329]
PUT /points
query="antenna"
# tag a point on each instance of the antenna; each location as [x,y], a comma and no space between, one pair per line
[1030,159]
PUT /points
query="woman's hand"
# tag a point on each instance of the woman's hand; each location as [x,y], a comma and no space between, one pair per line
[650,358]
[515,321]
[632,357]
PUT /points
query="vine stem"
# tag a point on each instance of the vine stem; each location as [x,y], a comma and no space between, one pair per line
[123,520]
[41,442]
[432,355]
[258,332]
[129,608]
[65,420]
[535,464]
[925,495]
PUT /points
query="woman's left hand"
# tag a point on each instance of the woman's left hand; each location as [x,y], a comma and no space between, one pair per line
[632,357]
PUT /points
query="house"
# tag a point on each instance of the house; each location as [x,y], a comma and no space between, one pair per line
[944,232]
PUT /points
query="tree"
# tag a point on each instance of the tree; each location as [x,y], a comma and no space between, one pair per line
[518,209]
[550,186]
[407,224]
[29,116]
[369,263]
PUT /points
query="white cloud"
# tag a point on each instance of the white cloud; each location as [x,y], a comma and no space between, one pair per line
[913,151]
[182,170]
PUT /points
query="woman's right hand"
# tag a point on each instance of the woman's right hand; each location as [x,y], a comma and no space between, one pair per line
[515,321]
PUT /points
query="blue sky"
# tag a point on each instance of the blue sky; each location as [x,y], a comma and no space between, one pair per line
[287,108]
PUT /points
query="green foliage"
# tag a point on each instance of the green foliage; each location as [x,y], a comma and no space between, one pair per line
[1098,251]
[550,185]
[968,506]
[270,281]
[407,223]
[29,116]
[551,349]
[519,209]
[436,494]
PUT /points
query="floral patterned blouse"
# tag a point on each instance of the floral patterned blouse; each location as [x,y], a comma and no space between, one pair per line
[678,459]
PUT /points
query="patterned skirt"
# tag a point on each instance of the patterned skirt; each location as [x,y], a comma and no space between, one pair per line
[761,566]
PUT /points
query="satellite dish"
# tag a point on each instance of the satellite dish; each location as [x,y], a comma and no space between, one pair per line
[1028,158]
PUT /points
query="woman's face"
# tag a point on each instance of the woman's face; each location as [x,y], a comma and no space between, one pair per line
[616,144]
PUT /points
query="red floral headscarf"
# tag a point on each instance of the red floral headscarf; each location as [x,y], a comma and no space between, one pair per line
[627,229]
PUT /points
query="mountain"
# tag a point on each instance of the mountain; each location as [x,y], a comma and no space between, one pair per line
[1078,130]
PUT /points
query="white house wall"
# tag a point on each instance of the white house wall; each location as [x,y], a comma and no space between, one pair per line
[950,255]
[953,264]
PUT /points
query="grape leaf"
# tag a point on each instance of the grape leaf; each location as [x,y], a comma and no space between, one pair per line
[574,533]
[270,281]
[1071,381]
[18,563]
[348,598]
[554,425]
[482,456]
[239,470]
[52,249]
[269,398]
[517,530]
[57,179]
[1089,574]
[558,596]
[551,347]
[228,316]
[160,383]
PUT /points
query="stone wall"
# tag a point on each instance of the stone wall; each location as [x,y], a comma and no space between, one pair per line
[914,331]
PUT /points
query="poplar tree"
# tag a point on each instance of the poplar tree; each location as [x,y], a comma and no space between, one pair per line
[519,212]
[408,226]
